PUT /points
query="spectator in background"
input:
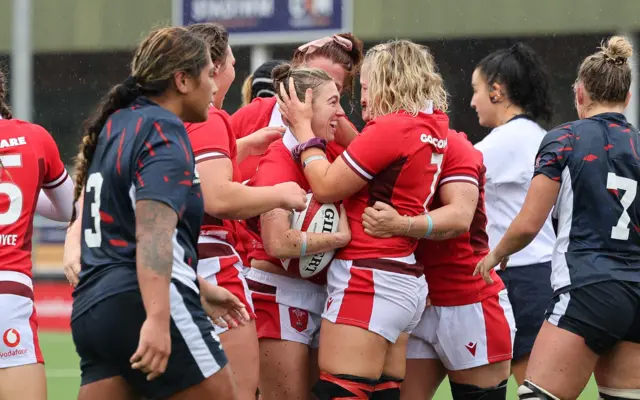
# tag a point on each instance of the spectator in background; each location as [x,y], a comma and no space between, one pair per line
[260,83]
[510,93]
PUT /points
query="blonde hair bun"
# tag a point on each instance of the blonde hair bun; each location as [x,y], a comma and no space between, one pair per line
[617,48]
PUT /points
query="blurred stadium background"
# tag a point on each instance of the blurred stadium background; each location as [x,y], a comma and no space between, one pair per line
[62,55]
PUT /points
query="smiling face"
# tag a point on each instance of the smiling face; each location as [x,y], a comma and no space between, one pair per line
[326,111]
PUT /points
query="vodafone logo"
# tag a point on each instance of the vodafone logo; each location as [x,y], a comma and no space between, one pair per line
[439,143]
[11,337]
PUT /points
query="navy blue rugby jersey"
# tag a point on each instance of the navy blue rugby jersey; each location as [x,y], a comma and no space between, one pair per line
[597,161]
[143,153]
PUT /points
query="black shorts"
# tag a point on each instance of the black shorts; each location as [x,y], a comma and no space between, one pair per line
[529,290]
[107,335]
[602,313]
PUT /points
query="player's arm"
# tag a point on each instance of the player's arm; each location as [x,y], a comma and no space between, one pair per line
[155,225]
[72,246]
[226,199]
[55,200]
[454,218]
[56,203]
[552,157]
[280,241]
[161,194]
[257,143]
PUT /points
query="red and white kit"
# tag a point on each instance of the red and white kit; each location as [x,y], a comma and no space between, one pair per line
[221,252]
[287,308]
[30,162]
[469,323]
[374,283]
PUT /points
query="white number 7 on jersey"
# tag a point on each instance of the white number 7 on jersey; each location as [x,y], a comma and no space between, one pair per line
[630,187]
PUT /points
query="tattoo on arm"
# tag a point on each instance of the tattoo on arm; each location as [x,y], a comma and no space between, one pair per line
[155,225]
[446,235]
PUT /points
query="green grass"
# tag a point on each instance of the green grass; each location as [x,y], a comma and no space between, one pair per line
[63,371]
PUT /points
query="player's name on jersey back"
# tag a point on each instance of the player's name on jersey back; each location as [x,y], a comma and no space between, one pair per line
[8,240]
[13,142]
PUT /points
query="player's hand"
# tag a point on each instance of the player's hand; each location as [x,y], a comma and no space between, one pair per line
[154,348]
[295,112]
[383,221]
[292,196]
[71,257]
[224,309]
[260,140]
[487,264]
[344,231]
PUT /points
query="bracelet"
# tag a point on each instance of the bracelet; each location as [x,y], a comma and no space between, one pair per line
[303,246]
[409,226]
[429,226]
[318,143]
[311,159]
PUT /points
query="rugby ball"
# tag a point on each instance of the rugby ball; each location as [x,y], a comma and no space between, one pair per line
[316,218]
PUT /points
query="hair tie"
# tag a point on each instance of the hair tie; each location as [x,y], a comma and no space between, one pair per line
[312,46]
[614,60]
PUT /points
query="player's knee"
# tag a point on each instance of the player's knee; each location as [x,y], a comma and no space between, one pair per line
[387,388]
[618,394]
[343,386]
[530,391]
[461,391]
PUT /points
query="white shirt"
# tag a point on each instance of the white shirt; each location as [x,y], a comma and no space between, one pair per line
[509,155]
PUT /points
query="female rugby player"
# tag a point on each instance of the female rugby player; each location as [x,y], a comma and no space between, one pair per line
[226,199]
[138,323]
[588,172]
[377,291]
[510,93]
[467,332]
[340,56]
[289,309]
[32,180]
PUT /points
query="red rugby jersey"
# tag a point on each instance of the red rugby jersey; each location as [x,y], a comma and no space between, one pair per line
[213,139]
[401,157]
[449,264]
[31,161]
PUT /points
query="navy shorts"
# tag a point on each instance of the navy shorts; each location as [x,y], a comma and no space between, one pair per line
[602,313]
[529,290]
[107,335]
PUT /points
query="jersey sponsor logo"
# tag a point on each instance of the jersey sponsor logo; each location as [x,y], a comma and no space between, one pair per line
[472,346]
[13,142]
[299,319]
[437,143]
[11,337]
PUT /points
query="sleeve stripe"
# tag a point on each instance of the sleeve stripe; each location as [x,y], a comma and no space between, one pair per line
[210,155]
[56,182]
[459,178]
[355,167]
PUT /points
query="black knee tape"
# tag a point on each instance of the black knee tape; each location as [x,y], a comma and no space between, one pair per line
[342,386]
[530,391]
[387,388]
[462,391]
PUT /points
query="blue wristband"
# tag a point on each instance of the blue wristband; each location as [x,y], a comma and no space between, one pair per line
[429,227]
